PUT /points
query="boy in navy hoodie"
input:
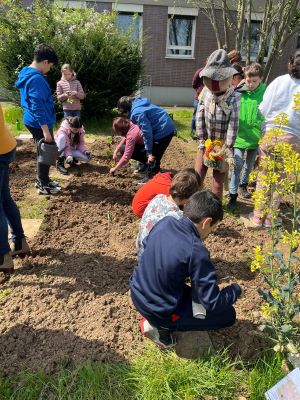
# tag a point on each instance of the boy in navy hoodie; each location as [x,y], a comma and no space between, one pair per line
[173,252]
[38,107]
[156,125]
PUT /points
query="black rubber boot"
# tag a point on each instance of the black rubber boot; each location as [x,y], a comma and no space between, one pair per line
[60,165]
[232,200]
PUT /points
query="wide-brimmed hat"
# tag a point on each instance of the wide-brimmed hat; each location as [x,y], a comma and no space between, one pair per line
[218,66]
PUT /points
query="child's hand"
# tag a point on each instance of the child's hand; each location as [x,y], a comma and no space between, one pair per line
[151,158]
[73,93]
[112,171]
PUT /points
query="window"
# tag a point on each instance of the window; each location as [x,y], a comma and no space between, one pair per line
[129,20]
[181,36]
[255,38]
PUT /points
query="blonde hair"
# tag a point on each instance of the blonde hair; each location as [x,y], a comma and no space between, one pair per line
[67,67]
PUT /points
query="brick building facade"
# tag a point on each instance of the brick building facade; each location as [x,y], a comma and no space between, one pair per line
[168,70]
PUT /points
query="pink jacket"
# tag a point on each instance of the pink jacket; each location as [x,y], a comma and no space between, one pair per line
[64,86]
[65,130]
[134,136]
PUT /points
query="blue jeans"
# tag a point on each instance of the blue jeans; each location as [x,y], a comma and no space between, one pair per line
[72,113]
[193,125]
[241,165]
[9,212]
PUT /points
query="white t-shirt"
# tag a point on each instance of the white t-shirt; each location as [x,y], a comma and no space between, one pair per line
[279,98]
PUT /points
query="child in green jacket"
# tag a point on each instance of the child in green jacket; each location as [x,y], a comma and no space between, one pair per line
[249,132]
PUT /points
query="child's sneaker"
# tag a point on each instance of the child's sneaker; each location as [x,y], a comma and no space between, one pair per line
[243,192]
[51,184]
[162,337]
[50,189]
[143,181]
[141,168]
[6,264]
[268,222]
[20,248]
[255,219]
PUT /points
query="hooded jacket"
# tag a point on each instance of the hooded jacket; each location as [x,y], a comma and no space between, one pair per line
[65,130]
[154,121]
[133,137]
[36,98]
[251,120]
[73,85]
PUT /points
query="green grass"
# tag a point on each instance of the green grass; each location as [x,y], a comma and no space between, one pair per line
[103,126]
[153,375]
[33,208]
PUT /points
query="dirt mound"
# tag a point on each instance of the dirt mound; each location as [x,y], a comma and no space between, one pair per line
[68,301]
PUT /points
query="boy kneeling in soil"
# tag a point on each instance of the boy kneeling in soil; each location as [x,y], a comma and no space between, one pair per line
[173,252]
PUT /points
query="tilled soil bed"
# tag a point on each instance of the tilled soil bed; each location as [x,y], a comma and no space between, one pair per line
[68,301]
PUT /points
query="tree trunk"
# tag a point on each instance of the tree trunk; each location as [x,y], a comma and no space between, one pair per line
[215,25]
[265,31]
[241,23]
[248,47]
[226,28]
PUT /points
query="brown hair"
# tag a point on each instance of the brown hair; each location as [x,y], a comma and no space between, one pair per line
[254,70]
[121,126]
[235,57]
[183,185]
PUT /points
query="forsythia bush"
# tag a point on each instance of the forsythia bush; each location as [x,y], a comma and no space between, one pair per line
[279,265]
[107,63]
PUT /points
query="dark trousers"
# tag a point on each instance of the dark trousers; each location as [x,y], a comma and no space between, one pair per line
[139,153]
[183,319]
[9,212]
[42,169]
[159,148]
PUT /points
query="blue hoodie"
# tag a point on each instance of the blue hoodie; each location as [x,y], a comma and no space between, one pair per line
[36,98]
[173,252]
[154,121]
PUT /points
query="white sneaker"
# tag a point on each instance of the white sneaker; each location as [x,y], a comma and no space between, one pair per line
[48,190]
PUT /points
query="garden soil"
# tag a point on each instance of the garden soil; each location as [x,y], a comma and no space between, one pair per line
[68,301]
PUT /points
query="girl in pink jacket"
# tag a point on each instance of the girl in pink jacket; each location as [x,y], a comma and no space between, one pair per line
[69,91]
[131,146]
[70,142]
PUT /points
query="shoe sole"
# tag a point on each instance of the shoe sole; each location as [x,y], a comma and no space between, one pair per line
[160,344]
[47,194]
[7,271]
[20,253]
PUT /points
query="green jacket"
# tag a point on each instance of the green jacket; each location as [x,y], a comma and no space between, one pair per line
[251,119]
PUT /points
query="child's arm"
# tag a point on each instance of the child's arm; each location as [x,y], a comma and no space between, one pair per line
[145,126]
[80,92]
[201,131]
[61,96]
[129,149]
[233,124]
[205,289]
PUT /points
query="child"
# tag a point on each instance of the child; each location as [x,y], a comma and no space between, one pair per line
[69,91]
[157,127]
[249,132]
[279,98]
[37,103]
[183,185]
[131,146]
[174,251]
[238,79]
[70,142]
[217,119]
[9,212]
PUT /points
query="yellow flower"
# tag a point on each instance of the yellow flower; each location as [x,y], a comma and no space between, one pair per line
[276,294]
[296,101]
[266,310]
[293,238]
[259,259]
[281,119]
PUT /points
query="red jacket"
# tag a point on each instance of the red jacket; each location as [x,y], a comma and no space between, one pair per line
[160,184]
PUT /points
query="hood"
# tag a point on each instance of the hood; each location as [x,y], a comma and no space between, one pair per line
[260,88]
[140,102]
[25,74]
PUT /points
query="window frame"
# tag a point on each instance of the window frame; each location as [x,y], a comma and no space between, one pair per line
[174,47]
[131,9]
[257,17]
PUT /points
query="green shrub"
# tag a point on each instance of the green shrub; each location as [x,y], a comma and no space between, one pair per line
[107,63]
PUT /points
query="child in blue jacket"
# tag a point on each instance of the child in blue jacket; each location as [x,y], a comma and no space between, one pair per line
[38,107]
[156,125]
[173,252]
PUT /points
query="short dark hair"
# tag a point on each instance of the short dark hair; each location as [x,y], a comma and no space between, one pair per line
[44,52]
[75,122]
[239,70]
[124,104]
[254,70]
[202,205]
[183,185]
[294,65]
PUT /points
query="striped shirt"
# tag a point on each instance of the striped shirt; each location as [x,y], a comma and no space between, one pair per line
[221,124]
